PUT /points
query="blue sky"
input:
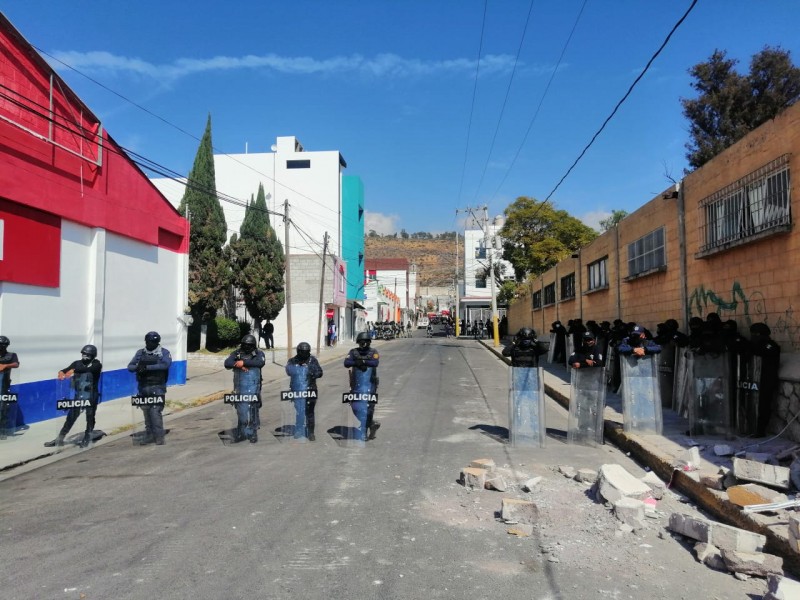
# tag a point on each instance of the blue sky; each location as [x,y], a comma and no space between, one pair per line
[390,85]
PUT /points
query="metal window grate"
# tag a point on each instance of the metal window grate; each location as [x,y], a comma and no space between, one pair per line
[550,294]
[537,299]
[568,287]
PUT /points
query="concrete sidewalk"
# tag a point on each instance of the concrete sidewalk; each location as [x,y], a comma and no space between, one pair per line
[662,453]
[207,381]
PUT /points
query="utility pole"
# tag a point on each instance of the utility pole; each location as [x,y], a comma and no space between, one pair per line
[458,309]
[322,291]
[490,252]
[288,280]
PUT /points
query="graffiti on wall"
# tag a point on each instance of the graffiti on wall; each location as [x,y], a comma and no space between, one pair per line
[737,305]
[786,327]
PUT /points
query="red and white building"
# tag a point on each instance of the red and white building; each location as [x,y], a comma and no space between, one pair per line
[90,251]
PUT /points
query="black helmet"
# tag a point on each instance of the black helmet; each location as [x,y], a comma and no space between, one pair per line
[249,343]
[89,350]
[303,350]
[363,340]
[4,342]
[151,340]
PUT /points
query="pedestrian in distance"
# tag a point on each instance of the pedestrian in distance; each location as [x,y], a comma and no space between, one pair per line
[267,334]
[151,365]
[84,376]
[303,371]
[363,363]
[8,361]
[246,363]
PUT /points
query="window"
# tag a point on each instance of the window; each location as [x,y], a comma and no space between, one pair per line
[537,299]
[550,294]
[757,203]
[298,164]
[647,253]
[480,251]
[596,273]
[480,278]
[568,287]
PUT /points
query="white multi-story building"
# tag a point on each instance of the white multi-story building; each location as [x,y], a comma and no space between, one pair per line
[482,243]
[311,184]
[391,289]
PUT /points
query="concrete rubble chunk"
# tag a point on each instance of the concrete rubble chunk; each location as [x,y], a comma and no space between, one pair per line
[723,450]
[752,493]
[758,564]
[734,539]
[568,472]
[710,556]
[630,511]
[690,457]
[691,527]
[771,475]
[794,524]
[794,541]
[496,483]
[473,478]
[728,479]
[483,463]
[586,475]
[782,588]
[614,482]
[657,487]
[529,485]
[514,510]
[715,481]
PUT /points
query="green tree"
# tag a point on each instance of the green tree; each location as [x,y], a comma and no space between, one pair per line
[209,274]
[536,236]
[508,291]
[613,220]
[258,262]
[730,105]
[404,234]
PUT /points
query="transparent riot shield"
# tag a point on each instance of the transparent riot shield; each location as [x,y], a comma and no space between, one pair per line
[666,373]
[682,388]
[245,401]
[710,403]
[357,424]
[586,405]
[748,394]
[147,418]
[641,401]
[526,418]
[8,408]
[570,349]
[551,350]
[75,395]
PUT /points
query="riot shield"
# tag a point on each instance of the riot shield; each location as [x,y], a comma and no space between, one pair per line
[551,350]
[526,419]
[682,388]
[244,420]
[146,410]
[586,405]
[8,408]
[710,402]
[666,373]
[358,407]
[570,349]
[748,382]
[641,401]
[75,395]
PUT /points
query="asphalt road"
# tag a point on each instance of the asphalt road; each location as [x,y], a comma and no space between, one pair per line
[200,519]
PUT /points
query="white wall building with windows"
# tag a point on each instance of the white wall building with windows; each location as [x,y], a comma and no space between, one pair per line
[481,246]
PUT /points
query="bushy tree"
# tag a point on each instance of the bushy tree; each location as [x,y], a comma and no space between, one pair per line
[536,236]
[258,262]
[209,274]
[730,105]
[613,220]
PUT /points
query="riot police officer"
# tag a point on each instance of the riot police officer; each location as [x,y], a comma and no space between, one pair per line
[304,370]
[247,363]
[85,378]
[8,361]
[559,341]
[525,350]
[151,365]
[588,354]
[363,364]
[637,344]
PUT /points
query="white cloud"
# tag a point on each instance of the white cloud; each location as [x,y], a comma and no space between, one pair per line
[592,219]
[381,223]
[381,65]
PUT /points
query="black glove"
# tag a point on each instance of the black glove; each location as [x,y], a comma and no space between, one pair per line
[141,367]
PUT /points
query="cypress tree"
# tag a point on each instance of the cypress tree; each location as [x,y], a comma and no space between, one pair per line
[258,262]
[209,274]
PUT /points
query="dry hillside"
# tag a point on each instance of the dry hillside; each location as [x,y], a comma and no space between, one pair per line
[435,259]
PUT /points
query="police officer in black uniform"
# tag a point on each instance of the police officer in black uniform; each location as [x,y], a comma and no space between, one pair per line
[559,342]
[85,374]
[247,363]
[525,350]
[761,344]
[8,361]
[151,365]
[304,370]
[588,354]
[364,361]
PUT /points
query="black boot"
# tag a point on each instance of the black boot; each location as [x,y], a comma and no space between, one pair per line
[59,441]
[87,439]
[373,429]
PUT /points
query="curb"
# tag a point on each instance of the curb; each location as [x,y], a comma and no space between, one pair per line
[705,498]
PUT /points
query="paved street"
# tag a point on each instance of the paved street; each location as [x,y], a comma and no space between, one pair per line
[199,519]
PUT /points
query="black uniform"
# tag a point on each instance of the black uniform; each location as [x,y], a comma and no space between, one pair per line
[308,369]
[247,380]
[152,369]
[85,380]
[524,354]
[8,416]
[363,364]
[584,355]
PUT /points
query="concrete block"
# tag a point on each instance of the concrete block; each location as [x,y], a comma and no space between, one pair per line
[794,524]
[614,482]
[690,457]
[496,483]
[752,493]
[726,537]
[691,527]
[657,487]
[794,541]
[529,485]
[514,510]
[483,463]
[771,475]
[710,556]
[758,564]
[723,450]
[782,588]
[715,481]
[568,472]
[473,478]
[586,476]
[630,511]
